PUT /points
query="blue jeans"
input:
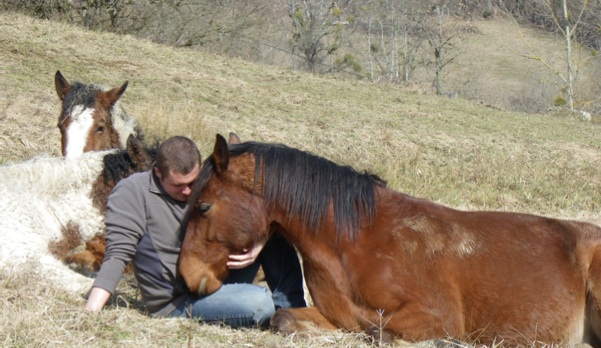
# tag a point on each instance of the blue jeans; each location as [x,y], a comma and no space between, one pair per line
[236,305]
[239,303]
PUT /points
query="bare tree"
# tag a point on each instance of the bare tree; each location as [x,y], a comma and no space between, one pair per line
[390,26]
[567,24]
[318,29]
[44,9]
[109,15]
[442,36]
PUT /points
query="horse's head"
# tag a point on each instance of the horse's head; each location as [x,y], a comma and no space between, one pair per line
[225,216]
[88,120]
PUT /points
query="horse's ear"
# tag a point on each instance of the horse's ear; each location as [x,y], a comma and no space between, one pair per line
[111,96]
[233,138]
[221,155]
[136,151]
[133,145]
[63,87]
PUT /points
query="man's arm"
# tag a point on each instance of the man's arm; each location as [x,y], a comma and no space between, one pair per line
[124,220]
[97,299]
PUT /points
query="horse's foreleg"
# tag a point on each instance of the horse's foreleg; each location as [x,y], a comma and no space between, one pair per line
[90,259]
[305,320]
[310,321]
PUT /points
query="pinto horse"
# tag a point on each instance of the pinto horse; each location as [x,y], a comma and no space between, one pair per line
[116,166]
[373,255]
[50,205]
[92,118]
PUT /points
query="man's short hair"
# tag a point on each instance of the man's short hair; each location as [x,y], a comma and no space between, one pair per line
[178,154]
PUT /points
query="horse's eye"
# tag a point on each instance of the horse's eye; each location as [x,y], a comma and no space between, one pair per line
[204,207]
[100,130]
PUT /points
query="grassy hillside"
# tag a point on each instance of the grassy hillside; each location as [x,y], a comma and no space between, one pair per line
[498,64]
[457,152]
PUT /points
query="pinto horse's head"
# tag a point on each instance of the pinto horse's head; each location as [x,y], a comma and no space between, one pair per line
[225,216]
[91,118]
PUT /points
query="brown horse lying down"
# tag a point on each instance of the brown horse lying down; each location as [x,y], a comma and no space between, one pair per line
[428,270]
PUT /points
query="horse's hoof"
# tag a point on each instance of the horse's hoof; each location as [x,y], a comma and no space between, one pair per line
[283,321]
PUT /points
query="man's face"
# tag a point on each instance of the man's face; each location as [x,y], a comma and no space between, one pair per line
[178,186]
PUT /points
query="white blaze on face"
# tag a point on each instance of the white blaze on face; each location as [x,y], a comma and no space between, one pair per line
[77,133]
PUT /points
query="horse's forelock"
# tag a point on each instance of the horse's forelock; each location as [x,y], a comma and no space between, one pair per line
[206,171]
[80,95]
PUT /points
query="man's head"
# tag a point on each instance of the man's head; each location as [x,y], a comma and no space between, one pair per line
[177,166]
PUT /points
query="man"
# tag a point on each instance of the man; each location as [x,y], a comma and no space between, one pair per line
[144,225]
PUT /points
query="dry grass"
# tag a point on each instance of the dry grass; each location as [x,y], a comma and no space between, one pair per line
[35,314]
[453,151]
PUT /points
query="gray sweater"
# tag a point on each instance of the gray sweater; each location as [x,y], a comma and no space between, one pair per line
[143,225]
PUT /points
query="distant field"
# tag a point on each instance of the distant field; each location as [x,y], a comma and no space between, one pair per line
[466,154]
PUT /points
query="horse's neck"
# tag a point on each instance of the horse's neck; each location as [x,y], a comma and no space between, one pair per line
[305,240]
[322,262]
[387,202]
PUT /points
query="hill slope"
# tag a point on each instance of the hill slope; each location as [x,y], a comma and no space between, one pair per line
[451,150]
[454,151]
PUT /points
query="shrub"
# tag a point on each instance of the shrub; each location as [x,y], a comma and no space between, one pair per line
[559,101]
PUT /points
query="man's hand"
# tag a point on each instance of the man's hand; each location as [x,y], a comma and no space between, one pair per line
[237,261]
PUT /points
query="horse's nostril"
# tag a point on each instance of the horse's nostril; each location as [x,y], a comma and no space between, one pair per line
[202,286]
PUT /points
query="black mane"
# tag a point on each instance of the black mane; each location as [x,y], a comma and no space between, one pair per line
[306,185]
[120,165]
[117,166]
